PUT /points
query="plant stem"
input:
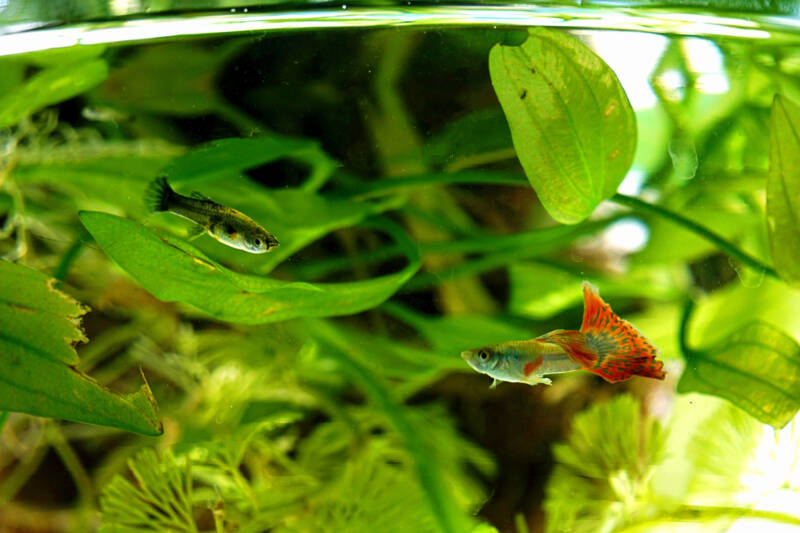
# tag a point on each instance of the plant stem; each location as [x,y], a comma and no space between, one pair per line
[727,247]
[683,330]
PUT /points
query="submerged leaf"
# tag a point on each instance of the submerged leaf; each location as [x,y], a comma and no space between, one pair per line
[174,271]
[38,325]
[572,125]
[50,86]
[540,290]
[225,158]
[783,188]
[757,368]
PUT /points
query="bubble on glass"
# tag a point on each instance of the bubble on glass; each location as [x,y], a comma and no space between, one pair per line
[684,158]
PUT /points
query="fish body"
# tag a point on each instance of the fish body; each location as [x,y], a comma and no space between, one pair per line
[227,225]
[606,345]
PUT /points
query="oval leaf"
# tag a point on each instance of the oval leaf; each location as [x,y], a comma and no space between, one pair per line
[573,128]
[174,271]
[757,368]
[38,325]
[783,188]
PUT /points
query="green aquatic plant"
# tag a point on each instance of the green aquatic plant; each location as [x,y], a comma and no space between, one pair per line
[610,472]
[313,388]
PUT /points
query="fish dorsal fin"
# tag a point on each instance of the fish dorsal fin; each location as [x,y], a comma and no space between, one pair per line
[621,350]
[200,196]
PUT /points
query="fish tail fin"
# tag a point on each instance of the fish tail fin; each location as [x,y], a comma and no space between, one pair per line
[158,195]
[621,350]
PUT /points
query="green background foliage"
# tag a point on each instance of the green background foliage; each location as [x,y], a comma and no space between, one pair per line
[318,387]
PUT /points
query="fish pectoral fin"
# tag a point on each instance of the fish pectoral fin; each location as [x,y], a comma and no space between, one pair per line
[200,196]
[538,380]
[195,231]
[495,383]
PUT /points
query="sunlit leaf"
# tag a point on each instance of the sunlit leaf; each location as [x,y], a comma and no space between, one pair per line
[38,326]
[726,209]
[174,271]
[783,188]
[757,368]
[50,86]
[572,125]
[540,290]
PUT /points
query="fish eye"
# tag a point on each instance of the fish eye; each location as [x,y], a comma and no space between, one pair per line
[484,355]
[257,242]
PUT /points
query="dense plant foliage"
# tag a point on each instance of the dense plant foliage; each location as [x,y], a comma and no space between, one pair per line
[188,386]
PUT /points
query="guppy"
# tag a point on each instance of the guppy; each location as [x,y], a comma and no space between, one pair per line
[606,345]
[227,225]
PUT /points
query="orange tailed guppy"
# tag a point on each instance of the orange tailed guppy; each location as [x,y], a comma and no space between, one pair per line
[606,345]
[227,225]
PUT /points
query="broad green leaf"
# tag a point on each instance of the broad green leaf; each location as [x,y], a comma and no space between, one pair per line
[50,86]
[540,290]
[117,183]
[783,188]
[572,125]
[38,326]
[62,56]
[757,368]
[172,270]
[226,158]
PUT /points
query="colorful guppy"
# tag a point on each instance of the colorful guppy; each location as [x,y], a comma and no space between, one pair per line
[606,345]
